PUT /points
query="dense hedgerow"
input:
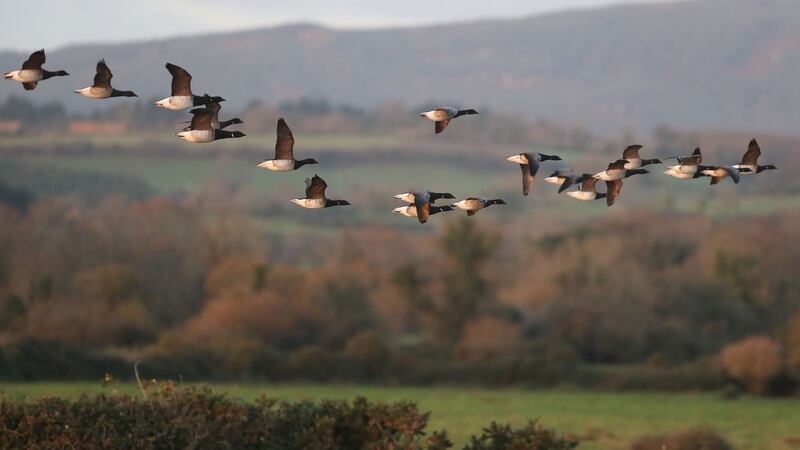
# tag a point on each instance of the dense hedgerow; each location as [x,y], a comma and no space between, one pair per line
[198,418]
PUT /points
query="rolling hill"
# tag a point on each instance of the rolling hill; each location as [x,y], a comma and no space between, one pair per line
[729,64]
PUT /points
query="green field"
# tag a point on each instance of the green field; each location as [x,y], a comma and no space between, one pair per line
[602,420]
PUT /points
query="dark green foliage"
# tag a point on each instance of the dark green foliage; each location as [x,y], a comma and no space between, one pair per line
[198,418]
[530,437]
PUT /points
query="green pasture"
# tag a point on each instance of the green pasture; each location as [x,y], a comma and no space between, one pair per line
[602,420]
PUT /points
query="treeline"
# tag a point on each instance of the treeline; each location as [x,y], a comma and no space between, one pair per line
[191,288]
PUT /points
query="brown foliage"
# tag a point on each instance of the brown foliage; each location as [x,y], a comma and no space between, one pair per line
[754,361]
[684,440]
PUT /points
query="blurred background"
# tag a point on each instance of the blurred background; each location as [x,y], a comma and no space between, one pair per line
[119,242]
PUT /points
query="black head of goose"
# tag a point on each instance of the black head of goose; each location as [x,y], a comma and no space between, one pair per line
[200,131]
[284,152]
[631,154]
[315,195]
[586,189]
[529,163]
[32,72]
[181,97]
[411,196]
[443,116]
[474,204]
[750,160]
[101,87]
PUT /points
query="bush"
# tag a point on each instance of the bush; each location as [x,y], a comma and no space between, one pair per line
[755,362]
[684,440]
[198,418]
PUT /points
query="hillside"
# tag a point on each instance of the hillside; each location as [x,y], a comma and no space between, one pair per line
[729,64]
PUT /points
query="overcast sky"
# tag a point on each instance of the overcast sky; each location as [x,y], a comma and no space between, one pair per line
[55,23]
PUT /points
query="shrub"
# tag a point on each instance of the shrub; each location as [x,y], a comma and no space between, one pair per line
[197,418]
[684,440]
[755,362]
[368,353]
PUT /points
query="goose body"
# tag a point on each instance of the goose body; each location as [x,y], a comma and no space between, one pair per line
[443,116]
[564,178]
[634,161]
[587,189]
[315,195]
[687,169]
[409,197]
[474,204]
[101,88]
[181,97]
[719,173]
[529,163]
[421,204]
[201,131]
[749,164]
[32,72]
[411,211]
[616,171]
[284,152]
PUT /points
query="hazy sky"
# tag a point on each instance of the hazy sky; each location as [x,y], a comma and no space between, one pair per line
[55,23]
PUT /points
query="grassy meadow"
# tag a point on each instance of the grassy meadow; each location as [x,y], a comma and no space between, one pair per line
[603,421]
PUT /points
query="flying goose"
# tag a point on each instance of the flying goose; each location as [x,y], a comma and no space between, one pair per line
[422,206]
[687,167]
[201,131]
[443,116]
[474,204]
[284,152]
[182,97]
[718,173]
[409,197]
[631,154]
[32,73]
[750,160]
[587,189]
[315,195]
[215,109]
[617,171]
[564,178]
[101,88]
[529,163]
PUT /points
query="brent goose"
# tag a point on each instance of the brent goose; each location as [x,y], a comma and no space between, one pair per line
[315,195]
[631,154]
[182,97]
[215,108]
[284,152]
[409,197]
[617,171]
[529,163]
[587,189]
[443,116]
[687,167]
[750,160]
[201,131]
[32,73]
[422,206]
[564,178]
[474,204]
[718,173]
[101,88]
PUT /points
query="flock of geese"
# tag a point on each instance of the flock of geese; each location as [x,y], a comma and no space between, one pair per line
[205,126]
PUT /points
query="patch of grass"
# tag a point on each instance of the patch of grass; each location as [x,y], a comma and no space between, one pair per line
[603,421]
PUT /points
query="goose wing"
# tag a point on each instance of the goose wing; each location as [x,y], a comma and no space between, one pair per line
[284,144]
[201,120]
[613,189]
[422,203]
[103,75]
[181,81]
[632,152]
[315,187]
[441,125]
[35,61]
[588,183]
[750,157]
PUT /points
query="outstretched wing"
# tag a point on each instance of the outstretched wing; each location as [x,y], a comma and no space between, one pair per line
[181,81]
[527,178]
[30,86]
[316,187]
[422,203]
[613,189]
[632,152]
[201,120]
[750,157]
[441,125]
[588,183]
[103,75]
[617,165]
[284,144]
[35,61]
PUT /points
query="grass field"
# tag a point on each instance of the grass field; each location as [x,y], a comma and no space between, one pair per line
[607,421]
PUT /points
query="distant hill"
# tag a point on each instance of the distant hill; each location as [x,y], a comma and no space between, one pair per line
[730,64]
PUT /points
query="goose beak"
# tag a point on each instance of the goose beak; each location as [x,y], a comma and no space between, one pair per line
[399,196]
[515,159]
